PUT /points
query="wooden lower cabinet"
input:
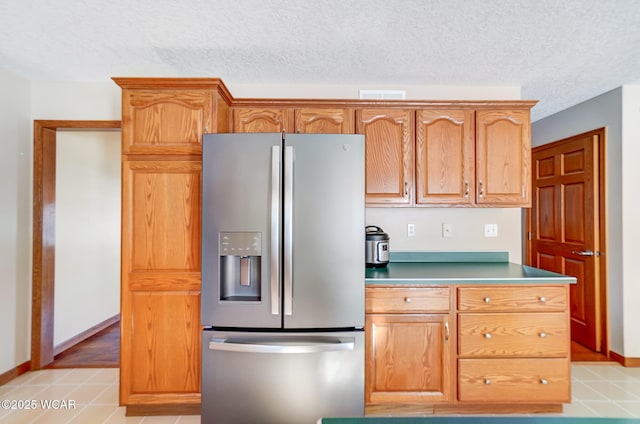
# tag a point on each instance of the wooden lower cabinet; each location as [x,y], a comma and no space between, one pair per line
[408,345]
[513,344]
[467,348]
[160,287]
[408,359]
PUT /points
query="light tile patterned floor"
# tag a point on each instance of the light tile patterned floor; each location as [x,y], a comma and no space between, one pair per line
[607,390]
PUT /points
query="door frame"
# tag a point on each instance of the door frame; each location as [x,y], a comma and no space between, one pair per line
[44,245]
[602,225]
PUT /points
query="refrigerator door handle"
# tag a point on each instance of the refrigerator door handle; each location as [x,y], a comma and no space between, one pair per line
[275,230]
[288,230]
[274,347]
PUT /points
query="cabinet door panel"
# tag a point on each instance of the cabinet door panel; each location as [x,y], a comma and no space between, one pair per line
[162,215]
[389,155]
[160,311]
[165,342]
[503,158]
[262,120]
[445,157]
[165,121]
[408,359]
[324,121]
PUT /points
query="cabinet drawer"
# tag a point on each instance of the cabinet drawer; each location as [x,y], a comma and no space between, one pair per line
[407,299]
[513,335]
[513,299]
[514,380]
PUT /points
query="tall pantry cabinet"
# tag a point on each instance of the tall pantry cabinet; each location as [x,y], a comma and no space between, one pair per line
[162,125]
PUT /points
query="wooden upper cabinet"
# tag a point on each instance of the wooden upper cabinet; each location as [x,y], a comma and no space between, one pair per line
[503,158]
[389,155]
[299,120]
[445,148]
[166,121]
[262,120]
[324,121]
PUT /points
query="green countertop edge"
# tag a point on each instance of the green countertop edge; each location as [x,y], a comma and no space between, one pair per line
[442,268]
[480,420]
[449,256]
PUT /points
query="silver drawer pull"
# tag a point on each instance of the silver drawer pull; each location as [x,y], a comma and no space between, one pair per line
[407,300]
[542,334]
[543,381]
[487,299]
[543,299]
[487,335]
[487,381]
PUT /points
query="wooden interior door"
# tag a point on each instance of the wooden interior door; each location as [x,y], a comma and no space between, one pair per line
[565,227]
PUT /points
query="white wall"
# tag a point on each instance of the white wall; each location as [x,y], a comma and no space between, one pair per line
[75,100]
[468,229]
[630,207]
[423,92]
[15,225]
[606,111]
[87,261]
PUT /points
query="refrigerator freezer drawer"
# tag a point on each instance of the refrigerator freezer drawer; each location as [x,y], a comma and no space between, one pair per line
[282,377]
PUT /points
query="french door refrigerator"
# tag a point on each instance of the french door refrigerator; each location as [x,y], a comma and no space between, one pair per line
[282,277]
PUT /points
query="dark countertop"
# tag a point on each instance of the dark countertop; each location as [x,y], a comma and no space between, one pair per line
[508,419]
[430,269]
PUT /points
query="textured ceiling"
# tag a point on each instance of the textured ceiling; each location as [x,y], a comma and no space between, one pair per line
[560,52]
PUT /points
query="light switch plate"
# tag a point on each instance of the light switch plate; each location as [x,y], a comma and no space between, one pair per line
[447,230]
[491,230]
[411,230]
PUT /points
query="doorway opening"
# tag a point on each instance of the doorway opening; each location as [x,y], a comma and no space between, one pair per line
[44,242]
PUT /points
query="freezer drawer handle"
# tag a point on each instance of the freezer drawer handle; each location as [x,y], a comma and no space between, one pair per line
[309,347]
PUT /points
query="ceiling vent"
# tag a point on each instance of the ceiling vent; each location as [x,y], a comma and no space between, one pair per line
[383,94]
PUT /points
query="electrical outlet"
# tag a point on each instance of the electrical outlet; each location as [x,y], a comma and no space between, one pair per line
[491,230]
[447,230]
[411,230]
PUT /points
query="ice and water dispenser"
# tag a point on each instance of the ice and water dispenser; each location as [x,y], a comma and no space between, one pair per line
[240,266]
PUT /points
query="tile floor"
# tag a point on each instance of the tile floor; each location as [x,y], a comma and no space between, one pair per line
[607,390]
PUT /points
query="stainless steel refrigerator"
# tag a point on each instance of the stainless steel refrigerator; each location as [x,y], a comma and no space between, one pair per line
[282,277]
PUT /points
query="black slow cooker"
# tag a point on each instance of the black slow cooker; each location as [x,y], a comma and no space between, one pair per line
[376,247]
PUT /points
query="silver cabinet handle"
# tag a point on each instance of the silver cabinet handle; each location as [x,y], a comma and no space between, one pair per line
[275,230]
[406,189]
[487,335]
[466,189]
[407,300]
[542,334]
[446,331]
[487,381]
[542,299]
[583,252]
[480,189]
[288,230]
[267,347]
[543,381]
[487,299]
